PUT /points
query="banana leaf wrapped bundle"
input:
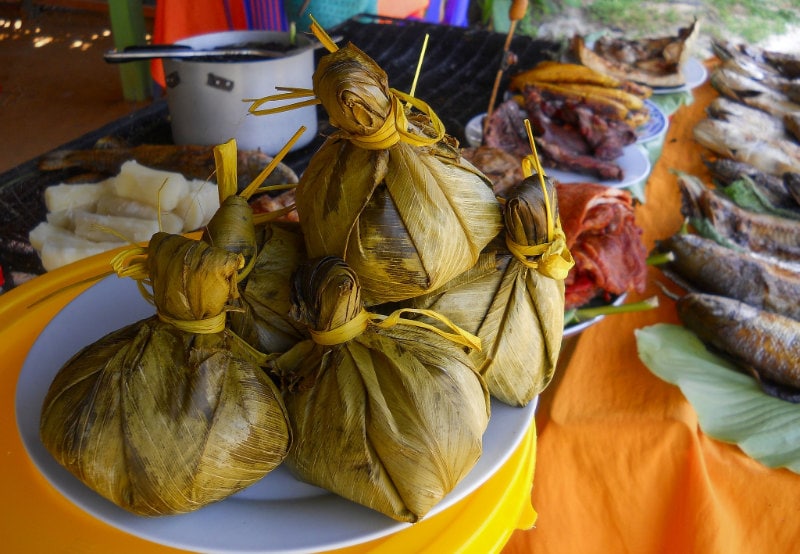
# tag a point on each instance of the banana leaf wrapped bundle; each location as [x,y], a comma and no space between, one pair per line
[513,299]
[264,319]
[173,412]
[386,412]
[389,191]
[271,250]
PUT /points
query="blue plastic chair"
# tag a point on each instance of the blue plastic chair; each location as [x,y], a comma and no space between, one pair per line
[450,12]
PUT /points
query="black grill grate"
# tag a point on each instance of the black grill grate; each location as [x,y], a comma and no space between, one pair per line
[458,72]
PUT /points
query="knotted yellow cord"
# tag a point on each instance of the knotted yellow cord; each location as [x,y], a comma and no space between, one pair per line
[207,326]
[360,322]
[394,128]
[132,262]
[253,187]
[322,36]
[292,93]
[529,163]
[554,258]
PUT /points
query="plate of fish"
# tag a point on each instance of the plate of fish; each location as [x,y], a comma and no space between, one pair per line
[278,513]
[695,74]
[655,126]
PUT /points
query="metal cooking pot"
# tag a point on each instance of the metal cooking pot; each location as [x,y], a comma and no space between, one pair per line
[206,98]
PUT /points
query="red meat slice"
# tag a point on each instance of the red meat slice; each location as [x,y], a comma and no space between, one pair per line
[602,235]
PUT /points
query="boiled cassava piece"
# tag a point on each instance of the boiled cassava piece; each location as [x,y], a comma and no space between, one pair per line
[386,413]
[389,191]
[271,251]
[513,299]
[173,412]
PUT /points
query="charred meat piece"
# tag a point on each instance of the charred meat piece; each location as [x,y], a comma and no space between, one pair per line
[569,135]
[504,170]
[604,240]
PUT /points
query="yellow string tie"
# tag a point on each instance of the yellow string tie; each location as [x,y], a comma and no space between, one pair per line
[321,35]
[552,259]
[395,127]
[294,93]
[364,319]
[132,262]
[207,326]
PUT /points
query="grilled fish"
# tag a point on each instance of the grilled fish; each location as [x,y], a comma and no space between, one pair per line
[762,233]
[702,265]
[792,124]
[753,93]
[765,343]
[773,188]
[731,141]
[785,64]
[766,125]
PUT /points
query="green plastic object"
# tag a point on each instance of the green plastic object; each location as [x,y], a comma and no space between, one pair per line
[128,29]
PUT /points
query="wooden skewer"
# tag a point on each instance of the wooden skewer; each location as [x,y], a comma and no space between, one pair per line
[515,13]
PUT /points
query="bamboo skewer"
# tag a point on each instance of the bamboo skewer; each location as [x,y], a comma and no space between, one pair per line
[515,13]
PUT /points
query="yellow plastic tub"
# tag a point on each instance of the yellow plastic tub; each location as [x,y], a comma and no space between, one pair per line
[37,518]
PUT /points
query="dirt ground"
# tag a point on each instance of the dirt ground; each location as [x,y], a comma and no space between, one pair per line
[54,84]
[577,21]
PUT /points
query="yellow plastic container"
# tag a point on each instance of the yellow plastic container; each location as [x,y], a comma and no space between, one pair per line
[37,518]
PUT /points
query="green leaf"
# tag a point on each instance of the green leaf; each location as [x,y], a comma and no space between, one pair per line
[746,194]
[730,405]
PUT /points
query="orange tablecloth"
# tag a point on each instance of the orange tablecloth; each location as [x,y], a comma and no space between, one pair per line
[622,464]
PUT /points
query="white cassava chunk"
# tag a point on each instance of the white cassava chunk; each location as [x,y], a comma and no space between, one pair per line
[99,227]
[65,196]
[151,186]
[111,204]
[199,205]
[57,246]
[43,232]
[66,218]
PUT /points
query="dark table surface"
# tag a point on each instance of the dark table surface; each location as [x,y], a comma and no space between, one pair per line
[456,79]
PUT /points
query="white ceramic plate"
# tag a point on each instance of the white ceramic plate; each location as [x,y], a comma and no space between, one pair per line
[656,125]
[695,74]
[276,515]
[474,130]
[635,162]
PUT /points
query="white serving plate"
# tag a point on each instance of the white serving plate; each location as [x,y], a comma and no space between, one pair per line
[279,514]
[656,125]
[635,162]
[695,74]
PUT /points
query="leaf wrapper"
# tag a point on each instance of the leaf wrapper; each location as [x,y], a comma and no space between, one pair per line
[515,309]
[389,192]
[161,420]
[391,419]
[264,320]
